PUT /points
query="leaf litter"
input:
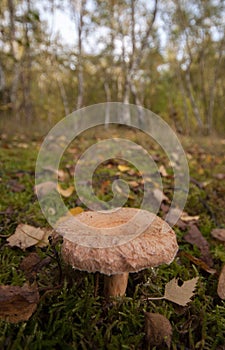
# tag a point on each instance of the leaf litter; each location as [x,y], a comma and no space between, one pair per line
[158,330]
[18,303]
[180,295]
[27,236]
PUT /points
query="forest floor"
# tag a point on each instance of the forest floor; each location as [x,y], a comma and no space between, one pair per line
[68,310]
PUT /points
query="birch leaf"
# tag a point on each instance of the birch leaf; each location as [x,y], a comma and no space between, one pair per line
[180,295]
[65,193]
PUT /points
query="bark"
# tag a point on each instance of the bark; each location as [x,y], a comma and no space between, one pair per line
[184,101]
[63,95]
[195,108]
[108,99]
[80,78]
[213,88]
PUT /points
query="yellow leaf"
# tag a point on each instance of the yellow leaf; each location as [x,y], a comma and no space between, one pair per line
[76,211]
[65,193]
[123,168]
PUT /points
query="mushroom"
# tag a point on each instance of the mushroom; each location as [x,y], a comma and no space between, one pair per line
[116,244]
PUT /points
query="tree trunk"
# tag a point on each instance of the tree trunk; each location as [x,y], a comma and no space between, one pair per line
[192,100]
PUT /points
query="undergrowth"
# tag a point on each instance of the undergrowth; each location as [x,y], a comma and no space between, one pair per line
[72,312]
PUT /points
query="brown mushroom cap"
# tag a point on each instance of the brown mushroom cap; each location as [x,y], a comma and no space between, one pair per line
[155,246]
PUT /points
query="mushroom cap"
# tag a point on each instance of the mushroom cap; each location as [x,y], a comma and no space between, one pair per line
[154,246]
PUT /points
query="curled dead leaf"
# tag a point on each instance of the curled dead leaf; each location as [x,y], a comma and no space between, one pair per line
[198,262]
[18,303]
[123,168]
[163,171]
[65,193]
[221,284]
[219,233]
[158,330]
[194,236]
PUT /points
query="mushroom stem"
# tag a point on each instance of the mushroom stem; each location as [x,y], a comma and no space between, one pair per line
[115,285]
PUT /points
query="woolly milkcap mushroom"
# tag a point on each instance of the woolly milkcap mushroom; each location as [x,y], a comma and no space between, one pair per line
[117,243]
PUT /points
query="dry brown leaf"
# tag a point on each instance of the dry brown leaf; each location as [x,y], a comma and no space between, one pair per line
[15,186]
[65,193]
[18,303]
[198,262]
[219,233]
[104,186]
[221,284]
[44,188]
[163,171]
[158,330]
[173,214]
[123,168]
[220,176]
[159,195]
[26,236]
[194,236]
[133,183]
[180,295]
[188,218]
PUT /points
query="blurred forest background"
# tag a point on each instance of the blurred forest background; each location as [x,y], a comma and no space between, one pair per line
[166,55]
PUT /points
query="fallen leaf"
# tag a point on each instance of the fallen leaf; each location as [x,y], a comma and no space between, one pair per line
[180,295]
[158,330]
[65,193]
[174,213]
[160,196]
[133,172]
[133,184]
[32,263]
[18,303]
[220,176]
[165,208]
[198,262]
[163,171]
[22,145]
[194,236]
[26,236]
[104,186]
[15,186]
[44,188]
[123,168]
[181,224]
[219,233]
[188,218]
[74,211]
[221,284]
